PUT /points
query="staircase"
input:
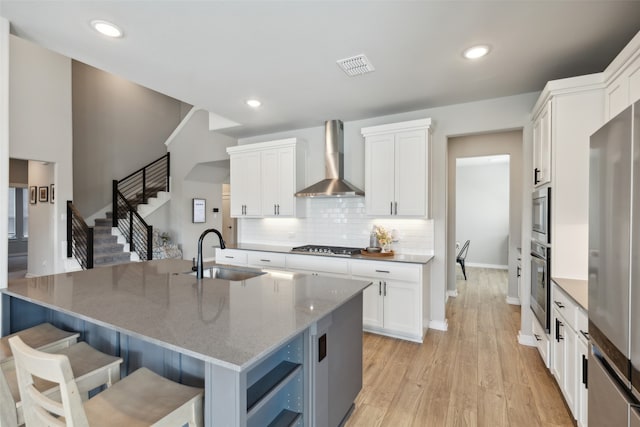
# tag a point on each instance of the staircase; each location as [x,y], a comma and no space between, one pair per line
[106,249]
[126,236]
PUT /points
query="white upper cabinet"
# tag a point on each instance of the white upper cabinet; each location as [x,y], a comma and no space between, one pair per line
[265,178]
[397,168]
[245,185]
[622,77]
[542,146]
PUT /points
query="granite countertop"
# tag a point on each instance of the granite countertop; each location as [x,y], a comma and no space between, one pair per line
[232,324]
[576,289]
[408,258]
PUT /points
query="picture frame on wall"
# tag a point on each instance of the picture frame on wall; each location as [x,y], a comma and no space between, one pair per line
[198,207]
[43,194]
[52,193]
[33,195]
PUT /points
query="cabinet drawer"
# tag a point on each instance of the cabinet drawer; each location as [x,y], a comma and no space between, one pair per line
[393,270]
[542,341]
[231,256]
[567,308]
[582,323]
[318,264]
[267,259]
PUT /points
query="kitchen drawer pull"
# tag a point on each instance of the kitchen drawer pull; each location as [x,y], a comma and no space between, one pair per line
[383,271]
[229,256]
[537,337]
[265,260]
[559,304]
[385,289]
[585,334]
[380,288]
[518,272]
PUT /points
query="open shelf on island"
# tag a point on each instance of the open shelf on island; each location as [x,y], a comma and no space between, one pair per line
[285,418]
[271,382]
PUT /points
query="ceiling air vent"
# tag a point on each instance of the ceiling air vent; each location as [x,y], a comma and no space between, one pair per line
[356,65]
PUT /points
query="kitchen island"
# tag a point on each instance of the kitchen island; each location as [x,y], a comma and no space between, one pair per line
[276,346]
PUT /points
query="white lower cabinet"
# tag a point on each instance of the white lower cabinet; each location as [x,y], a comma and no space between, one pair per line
[393,303]
[582,398]
[570,352]
[542,341]
[231,257]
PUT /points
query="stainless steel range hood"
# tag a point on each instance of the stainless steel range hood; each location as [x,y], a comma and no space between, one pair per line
[334,185]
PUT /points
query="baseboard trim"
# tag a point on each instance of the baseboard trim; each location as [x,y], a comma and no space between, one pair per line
[439,325]
[528,340]
[493,266]
[513,300]
[453,293]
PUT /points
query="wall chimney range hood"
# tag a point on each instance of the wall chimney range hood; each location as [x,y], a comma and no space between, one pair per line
[334,185]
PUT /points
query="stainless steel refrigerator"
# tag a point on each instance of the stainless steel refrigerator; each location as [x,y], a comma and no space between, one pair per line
[614,272]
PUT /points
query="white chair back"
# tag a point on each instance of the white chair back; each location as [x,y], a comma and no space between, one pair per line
[37,407]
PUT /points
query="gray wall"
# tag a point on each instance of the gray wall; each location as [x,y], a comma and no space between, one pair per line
[118,127]
[40,130]
[485,144]
[482,212]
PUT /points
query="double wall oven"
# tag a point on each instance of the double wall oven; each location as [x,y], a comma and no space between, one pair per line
[541,256]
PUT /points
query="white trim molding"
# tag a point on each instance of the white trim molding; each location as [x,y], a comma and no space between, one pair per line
[513,300]
[439,325]
[528,340]
[453,293]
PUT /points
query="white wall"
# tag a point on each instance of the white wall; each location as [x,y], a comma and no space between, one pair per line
[491,115]
[199,164]
[40,129]
[482,212]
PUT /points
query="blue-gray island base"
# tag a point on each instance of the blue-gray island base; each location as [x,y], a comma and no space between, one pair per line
[279,346]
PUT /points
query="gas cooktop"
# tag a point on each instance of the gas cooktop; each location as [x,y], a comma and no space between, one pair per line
[327,250]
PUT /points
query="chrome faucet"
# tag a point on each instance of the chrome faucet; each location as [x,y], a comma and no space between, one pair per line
[199,267]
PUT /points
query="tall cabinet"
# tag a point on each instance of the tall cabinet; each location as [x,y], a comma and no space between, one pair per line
[397,168]
[265,177]
[564,117]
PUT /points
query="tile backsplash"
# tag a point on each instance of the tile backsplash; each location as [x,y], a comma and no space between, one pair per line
[339,222]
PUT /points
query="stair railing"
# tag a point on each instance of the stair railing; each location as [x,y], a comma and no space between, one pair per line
[79,238]
[146,181]
[128,193]
[138,233]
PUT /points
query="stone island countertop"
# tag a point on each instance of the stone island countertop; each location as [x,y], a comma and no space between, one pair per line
[228,323]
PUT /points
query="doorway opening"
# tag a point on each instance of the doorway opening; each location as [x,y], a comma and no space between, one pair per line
[479,214]
[482,211]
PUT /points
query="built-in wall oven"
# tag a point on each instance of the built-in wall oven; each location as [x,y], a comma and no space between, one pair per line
[541,216]
[541,283]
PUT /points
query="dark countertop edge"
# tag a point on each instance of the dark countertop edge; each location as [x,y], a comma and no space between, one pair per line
[412,259]
[571,287]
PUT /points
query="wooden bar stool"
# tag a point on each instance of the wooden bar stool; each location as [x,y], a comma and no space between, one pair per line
[90,367]
[141,399]
[44,336]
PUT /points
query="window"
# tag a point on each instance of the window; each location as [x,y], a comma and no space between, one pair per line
[18,212]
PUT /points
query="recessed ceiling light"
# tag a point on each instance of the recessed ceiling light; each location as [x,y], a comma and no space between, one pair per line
[254,103]
[106,28]
[476,52]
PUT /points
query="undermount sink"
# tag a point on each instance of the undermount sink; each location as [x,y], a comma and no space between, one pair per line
[225,273]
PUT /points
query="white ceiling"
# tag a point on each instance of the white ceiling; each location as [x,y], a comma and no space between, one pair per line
[217,54]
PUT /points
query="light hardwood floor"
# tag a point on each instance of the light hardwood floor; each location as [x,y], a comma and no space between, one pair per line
[475,374]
